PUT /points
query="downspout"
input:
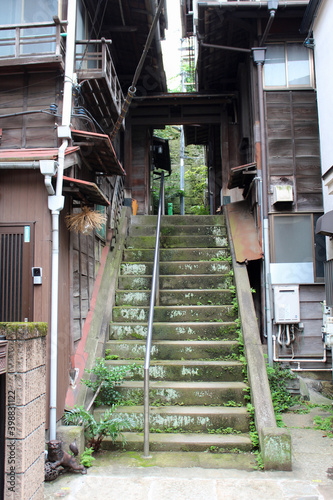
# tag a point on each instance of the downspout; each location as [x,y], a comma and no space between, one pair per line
[56,204]
[259,59]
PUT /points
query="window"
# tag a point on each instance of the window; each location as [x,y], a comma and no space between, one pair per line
[31,12]
[297,253]
[288,65]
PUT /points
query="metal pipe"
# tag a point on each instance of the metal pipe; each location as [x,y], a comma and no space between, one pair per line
[132,90]
[251,3]
[56,204]
[6,165]
[268,27]
[298,360]
[265,226]
[225,47]
[154,287]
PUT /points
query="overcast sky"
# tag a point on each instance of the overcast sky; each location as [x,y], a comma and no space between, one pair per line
[171,45]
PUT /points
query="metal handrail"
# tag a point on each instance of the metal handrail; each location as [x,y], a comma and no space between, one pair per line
[153,298]
[117,203]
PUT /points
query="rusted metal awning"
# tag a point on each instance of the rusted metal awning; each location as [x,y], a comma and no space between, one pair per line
[97,152]
[85,191]
[244,232]
[241,177]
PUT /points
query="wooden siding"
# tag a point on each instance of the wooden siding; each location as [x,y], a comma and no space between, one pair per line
[140,168]
[83,279]
[23,199]
[28,92]
[293,146]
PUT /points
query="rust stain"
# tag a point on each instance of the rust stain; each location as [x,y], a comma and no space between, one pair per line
[244,233]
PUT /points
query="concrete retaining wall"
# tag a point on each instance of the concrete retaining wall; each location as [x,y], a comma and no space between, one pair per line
[275,443]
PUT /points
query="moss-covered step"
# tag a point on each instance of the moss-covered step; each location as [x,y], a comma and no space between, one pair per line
[175,297]
[176,254]
[180,370]
[175,313]
[178,220]
[186,418]
[180,267]
[185,282]
[167,349]
[170,230]
[185,393]
[191,241]
[219,445]
[175,331]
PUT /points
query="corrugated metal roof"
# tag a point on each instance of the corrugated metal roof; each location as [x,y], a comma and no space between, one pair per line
[244,232]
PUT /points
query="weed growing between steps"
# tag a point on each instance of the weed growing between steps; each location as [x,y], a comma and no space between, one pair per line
[96,431]
[106,380]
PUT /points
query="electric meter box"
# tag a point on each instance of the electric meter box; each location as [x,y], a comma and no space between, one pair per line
[286,304]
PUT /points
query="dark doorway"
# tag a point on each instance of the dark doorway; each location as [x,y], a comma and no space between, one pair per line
[16,261]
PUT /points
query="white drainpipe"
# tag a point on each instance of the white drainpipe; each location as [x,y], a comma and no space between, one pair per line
[56,204]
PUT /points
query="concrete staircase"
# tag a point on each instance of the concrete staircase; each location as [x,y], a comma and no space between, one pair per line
[196,381]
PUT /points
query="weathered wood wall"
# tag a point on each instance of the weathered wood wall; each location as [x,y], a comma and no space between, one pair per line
[23,199]
[140,171]
[293,155]
[29,92]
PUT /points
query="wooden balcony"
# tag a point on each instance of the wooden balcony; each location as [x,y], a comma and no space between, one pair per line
[100,86]
[32,44]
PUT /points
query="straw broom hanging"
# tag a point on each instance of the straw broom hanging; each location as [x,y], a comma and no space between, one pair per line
[85,221]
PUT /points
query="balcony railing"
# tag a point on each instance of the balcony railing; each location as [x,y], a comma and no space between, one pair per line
[93,60]
[19,41]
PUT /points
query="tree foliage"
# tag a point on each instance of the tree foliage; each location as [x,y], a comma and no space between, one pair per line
[195,175]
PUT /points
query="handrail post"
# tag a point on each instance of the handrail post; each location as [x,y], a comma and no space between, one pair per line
[154,296]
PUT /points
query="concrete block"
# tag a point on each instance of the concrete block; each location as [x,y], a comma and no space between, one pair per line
[24,486]
[69,433]
[25,355]
[276,448]
[27,386]
[23,452]
[28,418]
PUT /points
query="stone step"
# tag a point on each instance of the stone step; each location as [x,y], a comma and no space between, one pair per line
[178,241]
[189,442]
[181,281]
[175,254]
[169,268]
[180,370]
[175,220]
[175,297]
[175,331]
[186,418]
[175,313]
[185,393]
[169,230]
[167,349]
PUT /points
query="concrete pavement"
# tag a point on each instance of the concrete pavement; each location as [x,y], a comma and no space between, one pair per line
[129,477]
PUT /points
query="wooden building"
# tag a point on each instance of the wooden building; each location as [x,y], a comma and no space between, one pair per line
[36,51]
[265,151]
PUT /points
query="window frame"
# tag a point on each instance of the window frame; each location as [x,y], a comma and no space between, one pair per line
[312,216]
[288,86]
